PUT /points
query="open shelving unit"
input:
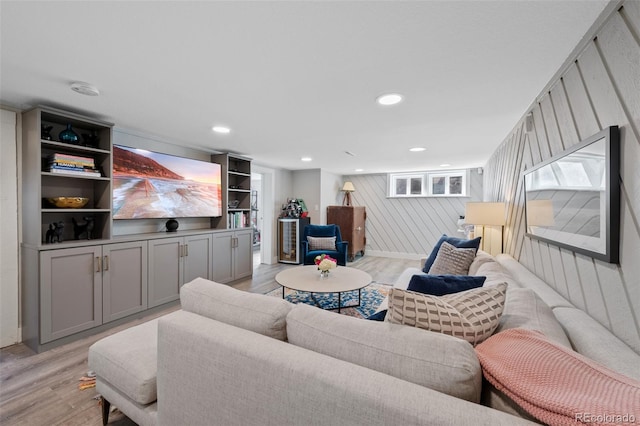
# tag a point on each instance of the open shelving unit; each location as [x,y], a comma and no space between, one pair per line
[236,193]
[40,184]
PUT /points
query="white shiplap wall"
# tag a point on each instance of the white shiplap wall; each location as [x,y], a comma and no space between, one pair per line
[599,87]
[407,227]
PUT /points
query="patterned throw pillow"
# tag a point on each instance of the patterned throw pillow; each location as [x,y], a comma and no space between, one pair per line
[452,260]
[472,315]
[322,243]
[457,242]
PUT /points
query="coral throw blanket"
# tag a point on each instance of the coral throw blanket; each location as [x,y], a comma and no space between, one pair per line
[555,384]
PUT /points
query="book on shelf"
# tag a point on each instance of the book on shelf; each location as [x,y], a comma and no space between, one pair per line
[71,159]
[238,220]
[70,171]
[70,166]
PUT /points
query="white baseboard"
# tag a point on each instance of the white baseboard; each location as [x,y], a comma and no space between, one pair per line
[395,254]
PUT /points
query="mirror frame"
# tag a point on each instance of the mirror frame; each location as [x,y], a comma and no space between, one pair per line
[611,212]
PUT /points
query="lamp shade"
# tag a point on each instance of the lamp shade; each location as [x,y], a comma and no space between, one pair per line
[348,187]
[484,214]
[540,213]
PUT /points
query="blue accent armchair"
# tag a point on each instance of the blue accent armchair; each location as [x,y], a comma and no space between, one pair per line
[340,254]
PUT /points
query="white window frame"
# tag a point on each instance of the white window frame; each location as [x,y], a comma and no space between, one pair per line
[427,180]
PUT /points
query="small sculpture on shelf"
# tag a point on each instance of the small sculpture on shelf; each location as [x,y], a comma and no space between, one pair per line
[91,139]
[83,228]
[54,233]
[45,131]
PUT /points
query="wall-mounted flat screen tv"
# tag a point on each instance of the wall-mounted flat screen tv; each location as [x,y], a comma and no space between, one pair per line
[149,184]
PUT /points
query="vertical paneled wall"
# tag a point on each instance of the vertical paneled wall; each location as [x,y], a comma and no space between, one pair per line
[408,227]
[600,88]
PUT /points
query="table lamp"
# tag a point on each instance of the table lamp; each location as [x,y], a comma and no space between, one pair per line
[347,188]
[489,220]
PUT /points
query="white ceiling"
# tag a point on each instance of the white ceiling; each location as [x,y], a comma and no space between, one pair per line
[297,79]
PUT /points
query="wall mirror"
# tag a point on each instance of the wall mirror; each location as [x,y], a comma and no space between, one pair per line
[573,199]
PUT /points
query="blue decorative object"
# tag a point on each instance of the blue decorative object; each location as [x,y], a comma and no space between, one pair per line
[456,242]
[378,316]
[69,136]
[439,285]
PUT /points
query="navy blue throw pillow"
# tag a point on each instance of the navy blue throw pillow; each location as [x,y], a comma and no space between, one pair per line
[456,242]
[378,316]
[439,285]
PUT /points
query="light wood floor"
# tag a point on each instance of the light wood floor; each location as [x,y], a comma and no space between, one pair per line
[42,389]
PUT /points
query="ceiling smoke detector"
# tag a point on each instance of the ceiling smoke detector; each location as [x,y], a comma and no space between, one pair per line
[85,89]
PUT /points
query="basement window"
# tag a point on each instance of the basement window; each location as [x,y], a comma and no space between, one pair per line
[452,183]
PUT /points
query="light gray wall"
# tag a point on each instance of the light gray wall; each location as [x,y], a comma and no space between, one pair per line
[330,192]
[307,185]
[408,227]
[599,87]
[10,247]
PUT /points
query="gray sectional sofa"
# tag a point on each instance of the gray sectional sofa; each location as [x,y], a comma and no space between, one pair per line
[230,357]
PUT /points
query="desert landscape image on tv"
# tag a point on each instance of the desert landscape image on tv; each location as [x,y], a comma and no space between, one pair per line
[152,185]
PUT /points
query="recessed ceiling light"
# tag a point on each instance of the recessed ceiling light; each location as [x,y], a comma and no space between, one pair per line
[417,149]
[389,99]
[445,165]
[221,129]
[359,170]
[85,89]
[306,159]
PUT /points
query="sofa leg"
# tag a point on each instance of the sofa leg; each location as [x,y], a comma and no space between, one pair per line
[106,406]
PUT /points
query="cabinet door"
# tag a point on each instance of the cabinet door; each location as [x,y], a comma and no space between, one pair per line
[124,279]
[71,293]
[198,257]
[165,270]
[243,254]
[222,257]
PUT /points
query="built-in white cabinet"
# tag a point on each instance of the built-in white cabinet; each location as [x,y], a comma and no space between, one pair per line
[233,258]
[124,279]
[77,278]
[82,288]
[176,261]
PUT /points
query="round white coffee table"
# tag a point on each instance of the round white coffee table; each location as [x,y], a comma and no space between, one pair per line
[340,279]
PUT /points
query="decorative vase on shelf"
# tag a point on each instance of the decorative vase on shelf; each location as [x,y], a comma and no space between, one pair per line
[69,136]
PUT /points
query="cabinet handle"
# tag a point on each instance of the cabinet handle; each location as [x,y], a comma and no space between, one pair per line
[98,264]
[359,228]
[186,250]
[181,251]
[106,263]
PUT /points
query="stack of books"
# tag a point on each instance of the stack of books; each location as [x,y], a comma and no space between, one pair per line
[238,220]
[72,165]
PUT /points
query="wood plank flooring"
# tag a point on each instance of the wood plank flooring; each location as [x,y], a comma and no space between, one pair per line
[42,389]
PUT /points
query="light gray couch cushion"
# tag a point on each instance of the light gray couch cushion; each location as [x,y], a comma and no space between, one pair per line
[128,361]
[213,373]
[256,312]
[525,309]
[433,360]
[496,274]
[528,280]
[481,258]
[593,340]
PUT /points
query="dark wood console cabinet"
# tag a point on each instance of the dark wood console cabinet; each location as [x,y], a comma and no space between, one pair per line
[351,220]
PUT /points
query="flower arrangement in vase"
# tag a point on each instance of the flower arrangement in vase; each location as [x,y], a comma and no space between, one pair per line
[325,264]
